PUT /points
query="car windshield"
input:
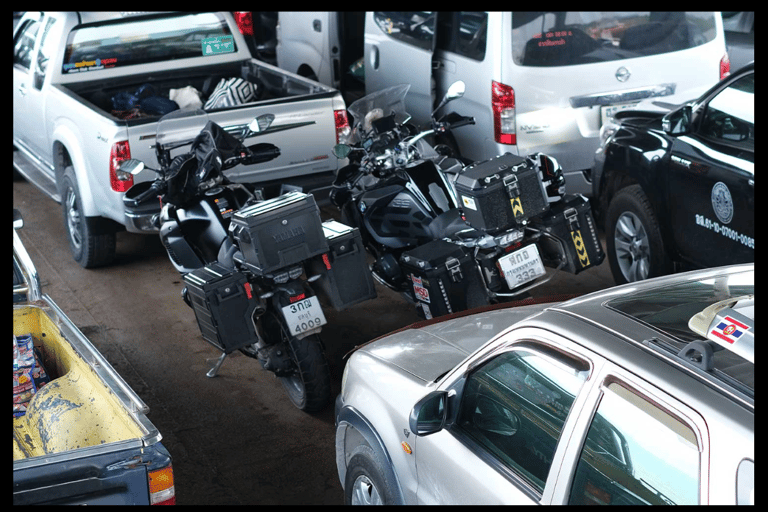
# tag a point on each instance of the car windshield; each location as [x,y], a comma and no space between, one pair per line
[568,38]
[668,309]
[144,40]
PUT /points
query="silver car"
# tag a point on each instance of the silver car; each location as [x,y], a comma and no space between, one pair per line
[640,394]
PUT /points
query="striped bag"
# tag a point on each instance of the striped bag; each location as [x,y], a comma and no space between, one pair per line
[230,92]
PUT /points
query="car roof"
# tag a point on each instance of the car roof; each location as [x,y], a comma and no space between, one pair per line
[676,319]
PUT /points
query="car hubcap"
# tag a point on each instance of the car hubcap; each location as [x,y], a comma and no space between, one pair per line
[633,251]
[364,492]
[73,218]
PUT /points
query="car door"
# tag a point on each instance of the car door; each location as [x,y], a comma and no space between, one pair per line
[29,74]
[398,50]
[503,447]
[711,179]
[634,444]
[24,49]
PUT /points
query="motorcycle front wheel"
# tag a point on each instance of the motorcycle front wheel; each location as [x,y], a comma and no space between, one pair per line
[309,384]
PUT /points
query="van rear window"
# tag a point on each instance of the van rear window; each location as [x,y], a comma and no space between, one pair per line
[568,38]
[132,41]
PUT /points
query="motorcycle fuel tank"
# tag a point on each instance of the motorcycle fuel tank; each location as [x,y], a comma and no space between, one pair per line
[394,216]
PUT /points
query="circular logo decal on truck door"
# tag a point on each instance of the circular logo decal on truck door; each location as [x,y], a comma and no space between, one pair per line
[722,202]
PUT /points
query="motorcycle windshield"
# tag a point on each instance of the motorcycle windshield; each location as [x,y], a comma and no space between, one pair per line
[375,106]
[180,126]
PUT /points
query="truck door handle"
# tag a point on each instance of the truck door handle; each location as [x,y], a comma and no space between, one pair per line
[375,57]
[23,89]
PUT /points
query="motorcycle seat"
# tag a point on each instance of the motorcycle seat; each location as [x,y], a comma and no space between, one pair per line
[447,224]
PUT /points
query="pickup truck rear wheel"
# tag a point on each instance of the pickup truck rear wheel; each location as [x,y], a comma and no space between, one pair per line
[91,247]
[635,248]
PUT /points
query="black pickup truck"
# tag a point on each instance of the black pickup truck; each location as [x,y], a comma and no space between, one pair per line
[676,187]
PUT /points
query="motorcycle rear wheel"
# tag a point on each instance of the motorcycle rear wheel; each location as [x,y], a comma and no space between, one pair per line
[309,386]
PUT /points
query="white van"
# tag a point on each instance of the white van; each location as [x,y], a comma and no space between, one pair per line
[543,81]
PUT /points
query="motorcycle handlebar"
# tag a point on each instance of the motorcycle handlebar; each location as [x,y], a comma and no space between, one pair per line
[154,190]
[259,153]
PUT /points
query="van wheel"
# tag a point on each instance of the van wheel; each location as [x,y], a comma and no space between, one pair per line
[635,248]
[90,246]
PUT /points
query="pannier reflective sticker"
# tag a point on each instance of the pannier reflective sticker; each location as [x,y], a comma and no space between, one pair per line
[729,330]
[219,44]
[517,207]
[469,202]
[581,249]
[421,293]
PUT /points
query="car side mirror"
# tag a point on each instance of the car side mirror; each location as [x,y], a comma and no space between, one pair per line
[429,414]
[678,122]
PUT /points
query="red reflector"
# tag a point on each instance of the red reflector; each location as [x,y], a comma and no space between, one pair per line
[119,181]
[248,291]
[326,261]
[725,66]
[244,22]
[342,124]
[503,105]
[297,298]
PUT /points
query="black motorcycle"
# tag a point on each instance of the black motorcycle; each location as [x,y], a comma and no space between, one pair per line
[242,266]
[449,234]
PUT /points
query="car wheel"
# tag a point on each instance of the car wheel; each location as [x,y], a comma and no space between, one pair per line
[89,247]
[635,248]
[365,483]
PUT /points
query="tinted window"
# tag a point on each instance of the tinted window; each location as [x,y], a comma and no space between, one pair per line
[412,27]
[636,454]
[567,38]
[25,44]
[730,116]
[515,406]
[463,33]
[142,41]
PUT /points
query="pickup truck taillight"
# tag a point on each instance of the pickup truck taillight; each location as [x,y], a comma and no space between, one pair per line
[725,66]
[118,180]
[340,119]
[161,488]
[503,105]
[244,22]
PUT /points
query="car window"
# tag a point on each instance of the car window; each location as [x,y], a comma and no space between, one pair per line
[463,33]
[42,56]
[412,27]
[515,406]
[730,115]
[567,38]
[636,454]
[141,41]
[25,44]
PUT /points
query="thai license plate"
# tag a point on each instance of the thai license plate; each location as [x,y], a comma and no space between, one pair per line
[607,112]
[304,315]
[522,266]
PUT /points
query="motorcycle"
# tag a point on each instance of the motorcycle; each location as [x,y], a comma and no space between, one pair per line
[210,227]
[448,234]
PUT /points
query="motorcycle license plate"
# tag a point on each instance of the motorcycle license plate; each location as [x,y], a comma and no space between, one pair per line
[304,315]
[522,266]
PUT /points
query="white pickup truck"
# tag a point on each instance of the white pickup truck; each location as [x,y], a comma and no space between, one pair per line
[80,87]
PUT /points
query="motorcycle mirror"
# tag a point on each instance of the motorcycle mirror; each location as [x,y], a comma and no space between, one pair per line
[455,91]
[131,166]
[341,150]
[261,123]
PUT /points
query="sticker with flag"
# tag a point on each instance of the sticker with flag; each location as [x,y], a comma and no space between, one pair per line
[729,329]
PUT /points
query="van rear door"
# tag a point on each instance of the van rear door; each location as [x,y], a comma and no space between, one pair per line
[398,50]
[571,69]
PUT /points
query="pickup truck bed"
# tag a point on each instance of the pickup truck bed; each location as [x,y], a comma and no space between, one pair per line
[85,437]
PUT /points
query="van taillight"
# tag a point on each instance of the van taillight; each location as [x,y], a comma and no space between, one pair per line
[244,22]
[161,488]
[725,66]
[503,104]
[342,125]
[118,180]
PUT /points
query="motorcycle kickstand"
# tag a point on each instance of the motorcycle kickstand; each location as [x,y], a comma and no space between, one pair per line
[215,370]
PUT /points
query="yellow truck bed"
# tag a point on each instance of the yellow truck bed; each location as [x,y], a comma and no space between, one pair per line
[85,404]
